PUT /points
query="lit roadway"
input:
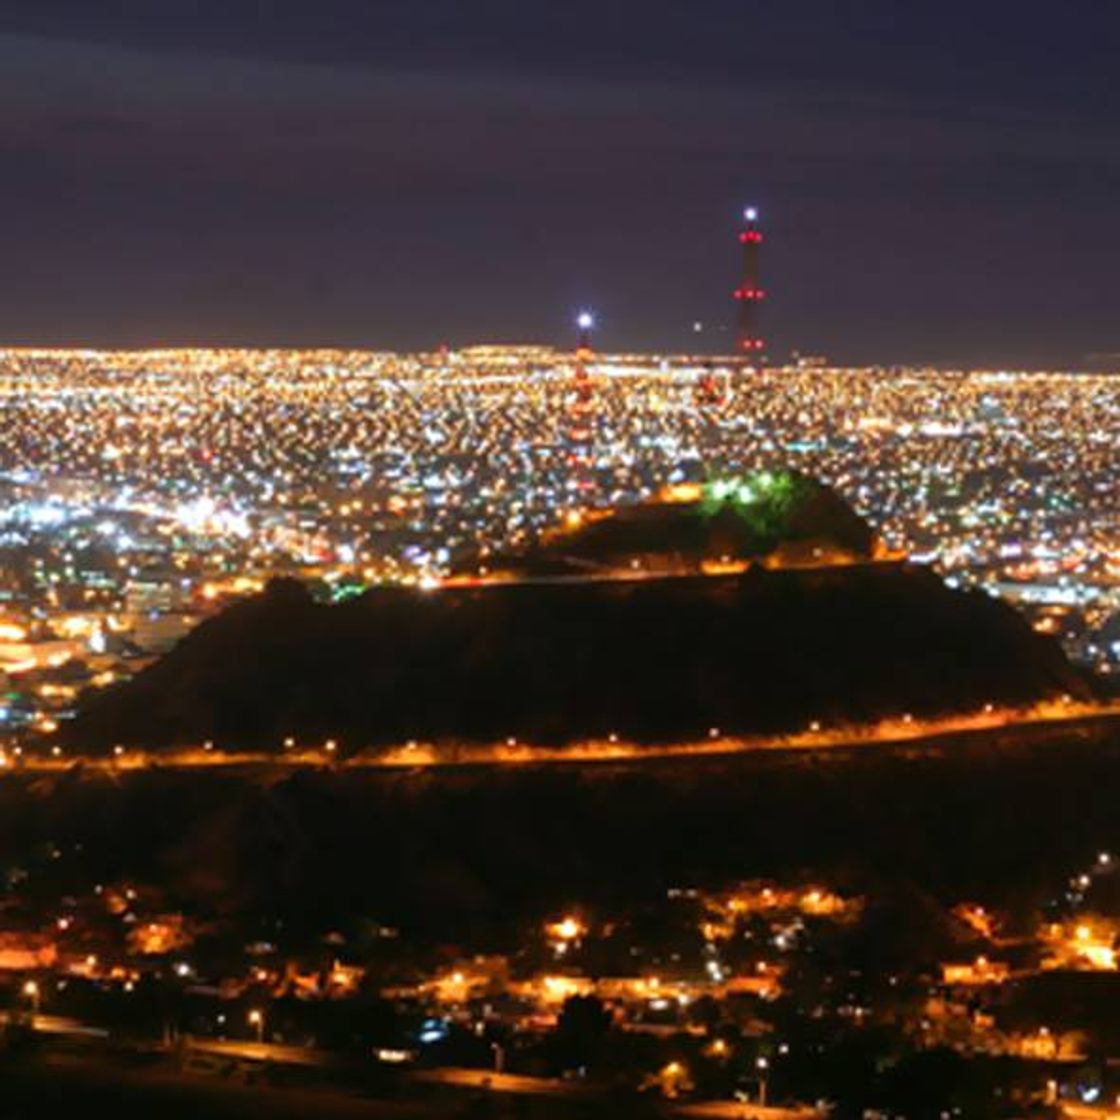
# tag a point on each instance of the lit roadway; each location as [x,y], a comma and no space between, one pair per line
[1049,719]
[502,1082]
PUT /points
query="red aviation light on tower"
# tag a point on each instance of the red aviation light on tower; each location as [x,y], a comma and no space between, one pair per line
[750,294]
[585,320]
[581,411]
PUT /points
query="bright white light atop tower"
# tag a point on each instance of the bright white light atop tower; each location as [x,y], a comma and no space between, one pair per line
[751,213]
[585,320]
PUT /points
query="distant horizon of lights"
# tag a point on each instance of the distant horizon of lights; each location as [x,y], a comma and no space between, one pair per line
[358,467]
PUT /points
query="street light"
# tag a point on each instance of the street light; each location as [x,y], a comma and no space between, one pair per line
[762,1065]
[31,991]
[256,1020]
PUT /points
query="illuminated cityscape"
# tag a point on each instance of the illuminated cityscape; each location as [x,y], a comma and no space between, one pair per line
[559,561]
[139,491]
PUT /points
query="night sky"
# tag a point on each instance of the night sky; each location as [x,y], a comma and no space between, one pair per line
[939,181]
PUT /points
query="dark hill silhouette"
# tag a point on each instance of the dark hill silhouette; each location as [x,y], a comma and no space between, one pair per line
[653,660]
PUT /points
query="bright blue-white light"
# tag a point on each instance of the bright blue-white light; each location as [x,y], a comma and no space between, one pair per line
[585,320]
[751,213]
[433,1030]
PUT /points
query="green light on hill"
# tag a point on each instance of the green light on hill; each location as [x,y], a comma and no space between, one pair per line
[764,501]
[346,591]
[765,486]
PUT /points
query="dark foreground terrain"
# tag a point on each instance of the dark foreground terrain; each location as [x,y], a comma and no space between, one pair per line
[52,1080]
[656,660]
[467,856]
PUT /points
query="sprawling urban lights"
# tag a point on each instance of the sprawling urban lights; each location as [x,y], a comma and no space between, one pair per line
[139,490]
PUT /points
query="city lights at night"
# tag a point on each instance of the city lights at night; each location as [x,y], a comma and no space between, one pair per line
[142,491]
[559,560]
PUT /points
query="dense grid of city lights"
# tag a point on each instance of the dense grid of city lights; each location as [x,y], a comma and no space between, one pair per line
[139,489]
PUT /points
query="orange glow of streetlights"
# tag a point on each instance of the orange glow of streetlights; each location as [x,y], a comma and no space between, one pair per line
[31,991]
